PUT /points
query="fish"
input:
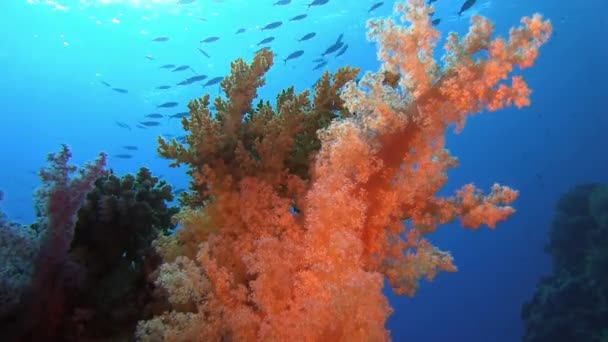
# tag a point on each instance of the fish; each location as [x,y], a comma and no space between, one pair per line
[148,57]
[436,22]
[307,36]
[342,50]
[130,147]
[204,53]
[294,55]
[167,105]
[154,115]
[210,40]
[265,41]
[140,126]
[298,17]
[161,39]
[239,31]
[317,3]
[123,156]
[106,84]
[120,90]
[318,60]
[333,48]
[467,4]
[320,65]
[282,3]
[201,19]
[150,123]
[179,115]
[163,87]
[213,81]
[168,66]
[192,79]
[375,6]
[181,68]
[123,125]
[272,25]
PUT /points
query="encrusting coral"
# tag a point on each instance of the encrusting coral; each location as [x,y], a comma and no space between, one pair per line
[297,238]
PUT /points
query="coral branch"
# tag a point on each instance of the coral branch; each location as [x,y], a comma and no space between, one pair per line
[58,199]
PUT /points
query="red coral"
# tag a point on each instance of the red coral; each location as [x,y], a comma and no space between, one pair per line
[58,202]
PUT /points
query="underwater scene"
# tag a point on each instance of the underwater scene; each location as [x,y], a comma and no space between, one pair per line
[303,170]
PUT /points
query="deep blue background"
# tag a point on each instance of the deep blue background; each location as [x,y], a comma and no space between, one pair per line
[53,58]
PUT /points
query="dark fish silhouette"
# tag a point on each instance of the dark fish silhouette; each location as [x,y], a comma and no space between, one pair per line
[307,36]
[467,4]
[241,30]
[375,6]
[320,65]
[436,22]
[213,81]
[272,25]
[265,41]
[181,68]
[204,53]
[130,147]
[123,156]
[168,66]
[335,47]
[192,79]
[123,125]
[154,115]
[163,87]
[106,84]
[293,55]
[317,3]
[167,105]
[342,50]
[299,17]
[210,40]
[179,115]
[161,39]
[149,123]
[282,3]
[120,90]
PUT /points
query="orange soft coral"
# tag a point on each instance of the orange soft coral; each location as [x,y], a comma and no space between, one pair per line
[318,275]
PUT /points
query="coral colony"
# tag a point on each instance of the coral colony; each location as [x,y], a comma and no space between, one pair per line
[297,211]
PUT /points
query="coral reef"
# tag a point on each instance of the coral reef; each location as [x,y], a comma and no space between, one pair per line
[294,236]
[571,304]
[113,243]
[80,272]
[18,249]
[43,302]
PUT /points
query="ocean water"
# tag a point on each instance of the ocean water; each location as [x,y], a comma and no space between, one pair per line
[75,71]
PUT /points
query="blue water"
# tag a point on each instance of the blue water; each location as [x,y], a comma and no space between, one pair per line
[53,55]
